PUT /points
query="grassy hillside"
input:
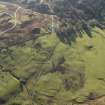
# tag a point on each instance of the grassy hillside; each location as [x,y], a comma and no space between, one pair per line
[46,71]
[55,72]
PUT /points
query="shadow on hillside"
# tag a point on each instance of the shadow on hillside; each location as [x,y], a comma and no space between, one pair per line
[70,36]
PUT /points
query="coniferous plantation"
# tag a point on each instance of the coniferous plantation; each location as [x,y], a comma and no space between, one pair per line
[52,52]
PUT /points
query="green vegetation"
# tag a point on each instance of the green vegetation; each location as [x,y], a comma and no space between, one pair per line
[46,71]
[77,16]
[51,80]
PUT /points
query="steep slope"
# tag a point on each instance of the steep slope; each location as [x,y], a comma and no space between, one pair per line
[39,69]
[75,76]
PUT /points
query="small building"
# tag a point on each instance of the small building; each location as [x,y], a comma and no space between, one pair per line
[35,30]
[32,27]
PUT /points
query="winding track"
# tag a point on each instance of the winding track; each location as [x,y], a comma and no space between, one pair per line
[15,15]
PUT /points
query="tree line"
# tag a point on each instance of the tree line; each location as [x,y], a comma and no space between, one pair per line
[78,16]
